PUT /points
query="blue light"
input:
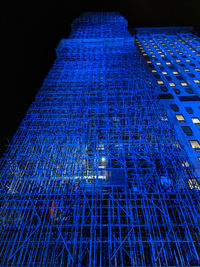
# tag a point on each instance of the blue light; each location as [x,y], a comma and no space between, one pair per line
[100,172]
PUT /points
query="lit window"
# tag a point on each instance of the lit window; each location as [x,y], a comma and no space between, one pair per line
[197,69]
[195,144]
[184,84]
[154,71]
[196,120]
[160,82]
[148,61]
[164,72]
[193,183]
[175,72]
[186,70]
[178,60]
[196,81]
[188,60]
[158,63]
[180,118]
[185,164]
[168,63]
[172,84]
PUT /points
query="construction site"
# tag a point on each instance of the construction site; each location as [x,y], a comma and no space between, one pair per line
[95,174]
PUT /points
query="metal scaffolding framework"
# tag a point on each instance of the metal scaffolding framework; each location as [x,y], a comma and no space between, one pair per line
[95,175]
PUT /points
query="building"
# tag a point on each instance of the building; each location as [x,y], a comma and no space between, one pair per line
[173,54]
[97,173]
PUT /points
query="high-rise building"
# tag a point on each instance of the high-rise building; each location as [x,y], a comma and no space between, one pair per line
[103,170]
[173,54]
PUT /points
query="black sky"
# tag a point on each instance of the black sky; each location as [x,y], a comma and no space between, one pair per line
[30,32]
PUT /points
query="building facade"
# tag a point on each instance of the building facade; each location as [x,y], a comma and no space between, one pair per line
[173,54]
[99,172]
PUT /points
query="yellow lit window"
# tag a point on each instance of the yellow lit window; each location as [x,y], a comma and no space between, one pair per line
[160,82]
[172,84]
[188,60]
[196,120]
[180,118]
[178,60]
[184,84]
[196,81]
[185,164]
[164,72]
[162,55]
[148,61]
[197,69]
[186,70]
[153,56]
[193,183]
[145,54]
[195,144]
[175,72]
[154,71]
[168,63]
[158,63]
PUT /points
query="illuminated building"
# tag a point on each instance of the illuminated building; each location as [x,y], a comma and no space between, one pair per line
[173,55]
[97,174]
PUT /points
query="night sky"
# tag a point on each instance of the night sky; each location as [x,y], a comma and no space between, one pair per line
[30,32]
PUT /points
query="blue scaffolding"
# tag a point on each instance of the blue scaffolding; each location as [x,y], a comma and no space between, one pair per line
[95,175]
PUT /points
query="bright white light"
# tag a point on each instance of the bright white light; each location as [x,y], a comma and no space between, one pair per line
[103,159]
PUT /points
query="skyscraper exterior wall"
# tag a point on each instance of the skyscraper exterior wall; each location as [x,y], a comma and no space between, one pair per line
[173,54]
[98,173]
